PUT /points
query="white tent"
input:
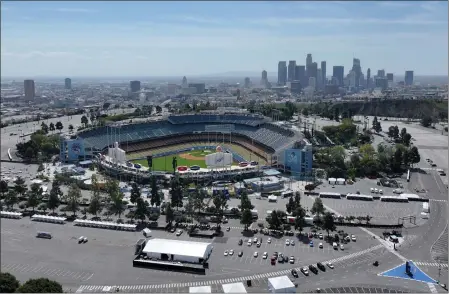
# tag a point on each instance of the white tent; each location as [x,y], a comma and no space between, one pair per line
[234,288]
[281,284]
[202,289]
[341,181]
[178,250]
[332,181]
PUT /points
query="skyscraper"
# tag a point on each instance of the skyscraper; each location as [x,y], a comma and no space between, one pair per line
[319,78]
[323,71]
[291,70]
[282,73]
[357,69]
[313,71]
[308,64]
[338,71]
[28,86]
[390,77]
[68,83]
[184,82]
[408,78]
[264,79]
[368,78]
[300,75]
[247,82]
[381,73]
[134,86]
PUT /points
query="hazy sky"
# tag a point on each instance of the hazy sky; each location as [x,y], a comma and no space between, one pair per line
[192,38]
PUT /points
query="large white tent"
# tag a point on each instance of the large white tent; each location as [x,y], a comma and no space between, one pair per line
[281,284]
[234,288]
[178,250]
[202,289]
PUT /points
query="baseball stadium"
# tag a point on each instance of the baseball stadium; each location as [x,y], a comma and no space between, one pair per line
[252,140]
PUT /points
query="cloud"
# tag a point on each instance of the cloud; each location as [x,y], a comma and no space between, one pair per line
[32,54]
[275,21]
[70,10]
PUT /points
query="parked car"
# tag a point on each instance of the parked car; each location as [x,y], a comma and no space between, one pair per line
[179,233]
[353,238]
[321,266]
[287,242]
[269,240]
[249,243]
[292,259]
[240,242]
[226,253]
[294,273]
[265,255]
[256,254]
[255,240]
[320,245]
[305,271]
[292,242]
[240,254]
[231,252]
[320,236]
[258,244]
[342,247]
[311,244]
[330,265]
[313,269]
[81,239]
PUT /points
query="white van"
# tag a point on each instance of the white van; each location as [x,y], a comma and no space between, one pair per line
[335,245]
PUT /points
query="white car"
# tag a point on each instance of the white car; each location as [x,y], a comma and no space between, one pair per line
[330,265]
[256,254]
[249,243]
[265,255]
[269,240]
[342,247]
[231,252]
[287,242]
[381,192]
[255,240]
[376,191]
[372,190]
[320,236]
[353,238]
[320,246]
[226,253]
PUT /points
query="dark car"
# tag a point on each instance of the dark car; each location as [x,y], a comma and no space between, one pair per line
[321,266]
[313,269]
[294,273]
[240,242]
[240,254]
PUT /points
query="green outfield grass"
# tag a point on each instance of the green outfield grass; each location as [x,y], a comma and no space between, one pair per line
[165,163]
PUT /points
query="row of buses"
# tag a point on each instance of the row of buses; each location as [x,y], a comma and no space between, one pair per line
[351,196]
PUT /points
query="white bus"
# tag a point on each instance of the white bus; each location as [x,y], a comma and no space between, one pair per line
[330,195]
[287,194]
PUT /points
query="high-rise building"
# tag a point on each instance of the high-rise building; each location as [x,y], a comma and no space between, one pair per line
[368,78]
[319,78]
[282,73]
[264,80]
[390,77]
[200,87]
[295,87]
[184,82]
[408,78]
[338,71]
[323,72]
[312,82]
[291,70]
[68,83]
[134,86]
[381,73]
[300,75]
[357,69]
[308,64]
[313,71]
[28,86]
[247,82]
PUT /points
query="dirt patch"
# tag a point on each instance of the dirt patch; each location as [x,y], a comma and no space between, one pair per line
[189,156]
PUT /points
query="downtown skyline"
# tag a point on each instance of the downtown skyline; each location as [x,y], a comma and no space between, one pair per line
[206,38]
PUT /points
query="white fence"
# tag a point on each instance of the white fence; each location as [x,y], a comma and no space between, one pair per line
[48,219]
[9,214]
[104,225]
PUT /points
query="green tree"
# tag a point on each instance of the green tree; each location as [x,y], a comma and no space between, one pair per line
[52,127]
[3,187]
[71,128]
[245,202]
[54,197]
[73,198]
[196,201]
[84,121]
[426,121]
[391,132]
[396,132]
[155,199]
[176,193]
[300,214]
[44,127]
[378,127]
[414,155]
[275,220]
[220,204]
[20,186]
[34,195]
[30,153]
[41,285]
[290,206]
[59,126]
[8,283]
[116,196]
[374,122]
[329,223]
[141,209]
[318,207]
[246,218]
[11,199]
[305,112]
[169,214]
[407,139]
[297,199]
[135,193]
[402,134]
